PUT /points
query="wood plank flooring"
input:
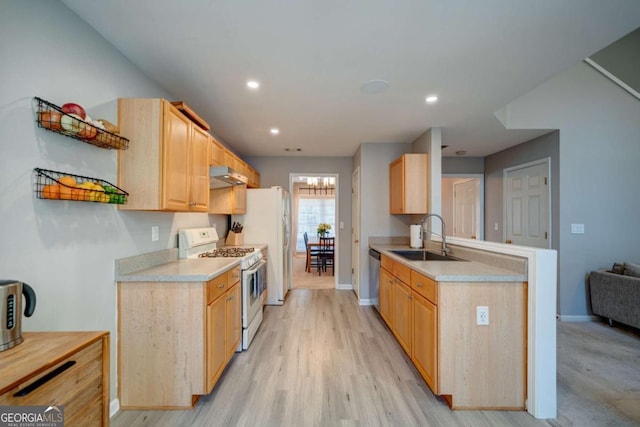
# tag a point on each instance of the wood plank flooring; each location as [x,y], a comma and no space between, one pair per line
[323,360]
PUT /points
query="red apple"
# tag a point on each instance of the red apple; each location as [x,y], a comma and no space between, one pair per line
[71,108]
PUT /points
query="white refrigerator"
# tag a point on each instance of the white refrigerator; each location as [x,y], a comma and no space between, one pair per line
[268,220]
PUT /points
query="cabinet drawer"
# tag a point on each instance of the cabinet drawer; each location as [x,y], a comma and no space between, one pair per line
[75,383]
[233,276]
[424,286]
[386,263]
[216,287]
[402,272]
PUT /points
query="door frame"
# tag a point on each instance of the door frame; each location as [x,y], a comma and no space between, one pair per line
[480,177]
[336,248]
[355,235]
[543,161]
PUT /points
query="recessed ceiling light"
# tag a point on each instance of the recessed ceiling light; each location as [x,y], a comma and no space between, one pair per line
[274,131]
[431,99]
[252,84]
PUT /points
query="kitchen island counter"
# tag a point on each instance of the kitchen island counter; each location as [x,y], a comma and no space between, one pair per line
[452,271]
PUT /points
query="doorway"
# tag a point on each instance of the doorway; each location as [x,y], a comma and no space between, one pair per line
[463,205]
[527,201]
[314,202]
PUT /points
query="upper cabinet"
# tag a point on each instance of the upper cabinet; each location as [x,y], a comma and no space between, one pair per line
[409,184]
[167,164]
[216,153]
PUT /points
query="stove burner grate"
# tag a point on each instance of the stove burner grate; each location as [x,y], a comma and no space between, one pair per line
[226,252]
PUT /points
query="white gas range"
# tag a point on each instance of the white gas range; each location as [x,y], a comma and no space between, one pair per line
[203,243]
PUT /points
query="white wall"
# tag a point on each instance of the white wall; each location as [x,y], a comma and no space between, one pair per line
[599,127]
[375,219]
[66,250]
[276,170]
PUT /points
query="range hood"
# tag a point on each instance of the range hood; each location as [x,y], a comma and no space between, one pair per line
[223,176]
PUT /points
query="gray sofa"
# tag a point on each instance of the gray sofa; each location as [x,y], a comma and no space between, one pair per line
[615,294]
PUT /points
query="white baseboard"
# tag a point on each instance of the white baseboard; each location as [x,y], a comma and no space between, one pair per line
[344,286]
[583,318]
[114,407]
[367,302]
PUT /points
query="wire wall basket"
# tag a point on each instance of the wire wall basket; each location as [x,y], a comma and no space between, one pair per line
[52,118]
[55,185]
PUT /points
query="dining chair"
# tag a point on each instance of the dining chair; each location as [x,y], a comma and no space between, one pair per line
[326,254]
[312,254]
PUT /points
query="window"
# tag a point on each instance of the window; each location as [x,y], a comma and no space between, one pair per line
[312,210]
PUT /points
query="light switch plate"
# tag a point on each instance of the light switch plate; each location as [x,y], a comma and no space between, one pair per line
[577,228]
[155,234]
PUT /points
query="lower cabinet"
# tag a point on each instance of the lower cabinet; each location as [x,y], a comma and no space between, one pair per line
[402,325]
[69,369]
[471,366]
[175,339]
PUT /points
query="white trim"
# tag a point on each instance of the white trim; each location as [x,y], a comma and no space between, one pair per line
[582,318]
[366,302]
[344,286]
[612,77]
[542,264]
[336,220]
[546,161]
[114,407]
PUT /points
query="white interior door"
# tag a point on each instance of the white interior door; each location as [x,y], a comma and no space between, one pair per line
[355,231]
[527,219]
[466,208]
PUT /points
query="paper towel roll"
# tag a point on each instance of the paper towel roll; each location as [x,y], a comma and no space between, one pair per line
[415,237]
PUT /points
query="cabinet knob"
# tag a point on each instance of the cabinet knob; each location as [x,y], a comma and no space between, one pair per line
[221,285]
[420,285]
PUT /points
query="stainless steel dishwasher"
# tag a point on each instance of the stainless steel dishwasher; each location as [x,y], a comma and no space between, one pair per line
[374,277]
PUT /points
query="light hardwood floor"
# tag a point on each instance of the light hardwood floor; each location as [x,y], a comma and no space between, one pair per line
[312,280]
[323,360]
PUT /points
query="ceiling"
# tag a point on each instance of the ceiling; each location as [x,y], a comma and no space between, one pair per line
[312,57]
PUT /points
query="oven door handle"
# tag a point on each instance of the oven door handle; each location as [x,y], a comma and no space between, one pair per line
[256,268]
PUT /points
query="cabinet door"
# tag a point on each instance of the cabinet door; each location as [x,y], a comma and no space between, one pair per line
[240,199]
[175,159]
[402,315]
[233,320]
[216,153]
[396,187]
[425,340]
[199,160]
[215,354]
[386,285]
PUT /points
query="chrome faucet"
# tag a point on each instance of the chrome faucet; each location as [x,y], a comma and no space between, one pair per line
[445,250]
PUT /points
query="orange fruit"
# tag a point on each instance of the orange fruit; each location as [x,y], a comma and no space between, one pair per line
[51,191]
[68,181]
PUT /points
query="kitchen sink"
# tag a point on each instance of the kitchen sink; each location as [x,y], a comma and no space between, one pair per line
[425,256]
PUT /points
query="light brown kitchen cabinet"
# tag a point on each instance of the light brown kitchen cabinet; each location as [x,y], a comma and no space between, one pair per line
[386,296]
[469,365]
[216,153]
[69,369]
[228,200]
[224,323]
[175,339]
[402,315]
[425,329]
[409,184]
[163,167]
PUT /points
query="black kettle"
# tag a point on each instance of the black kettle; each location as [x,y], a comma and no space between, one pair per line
[11,292]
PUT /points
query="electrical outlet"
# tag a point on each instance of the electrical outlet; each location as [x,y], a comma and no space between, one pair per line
[155,234]
[482,315]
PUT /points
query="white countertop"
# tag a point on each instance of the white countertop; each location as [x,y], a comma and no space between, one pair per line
[452,271]
[182,270]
